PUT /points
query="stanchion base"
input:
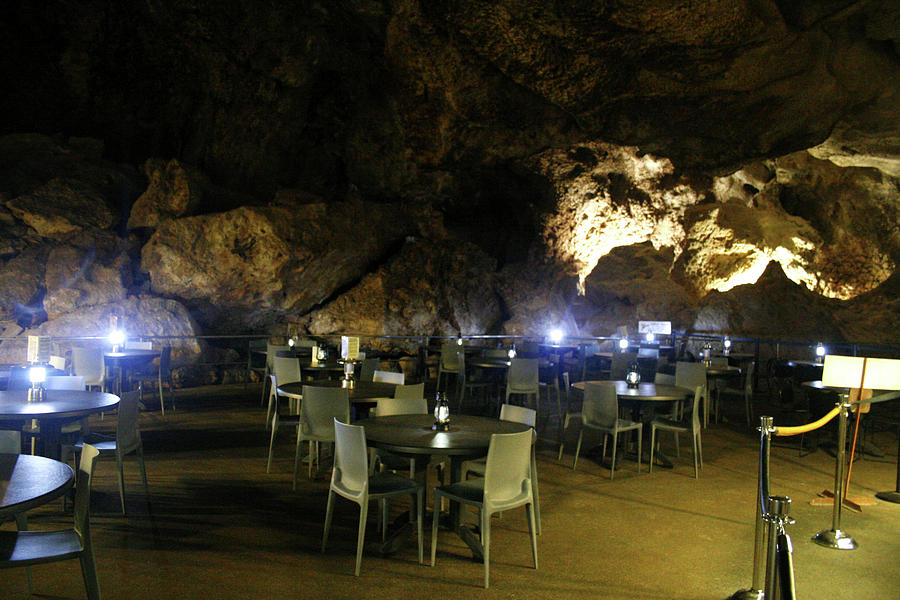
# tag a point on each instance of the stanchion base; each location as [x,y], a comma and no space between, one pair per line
[747,595]
[835,538]
[889,497]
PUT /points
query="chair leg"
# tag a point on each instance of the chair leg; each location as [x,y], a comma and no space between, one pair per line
[562,434]
[297,452]
[361,536]
[577,448]
[530,512]
[615,443]
[436,515]
[652,446]
[140,457]
[329,511]
[121,480]
[89,574]
[486,544]
[640,437]
[272,441]
[534,491]
[420,508]
[696,466]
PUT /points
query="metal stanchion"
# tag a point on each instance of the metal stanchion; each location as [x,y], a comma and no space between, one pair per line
[778,515]
[835,537]
[755,592]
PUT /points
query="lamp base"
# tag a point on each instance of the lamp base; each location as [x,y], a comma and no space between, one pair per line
[440,427]
[835,538]
[893,496]
[747,595]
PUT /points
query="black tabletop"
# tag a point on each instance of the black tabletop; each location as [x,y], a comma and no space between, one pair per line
[361,392]
[412,434]
[57,404]
[650,392]
[28,481]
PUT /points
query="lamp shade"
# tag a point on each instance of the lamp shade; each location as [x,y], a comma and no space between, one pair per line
[847,371]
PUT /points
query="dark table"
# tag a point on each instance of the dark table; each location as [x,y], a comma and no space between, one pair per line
[469,437]
[58,407]
[124,360]
[363,395]
[29,481]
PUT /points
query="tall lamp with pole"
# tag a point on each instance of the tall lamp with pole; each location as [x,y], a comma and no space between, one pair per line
[861,375]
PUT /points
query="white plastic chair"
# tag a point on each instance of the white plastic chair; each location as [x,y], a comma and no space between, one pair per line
[272,351]
[318,410]
[89,363]
[692,427]
[26,548]
[411,390]
[58,362]
[388,377]
[513,414]
[506,485]
[449,360]
[523,377]
[689,375]
[352,480]
[127,440]
[600,411]
[367,369]
[746,390]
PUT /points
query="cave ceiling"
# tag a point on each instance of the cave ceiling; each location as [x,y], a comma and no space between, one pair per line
[727,134]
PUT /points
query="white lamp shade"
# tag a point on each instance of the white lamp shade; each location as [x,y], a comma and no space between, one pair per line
[847,371]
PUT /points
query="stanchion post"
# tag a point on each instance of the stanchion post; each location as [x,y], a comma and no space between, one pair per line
[835,537]
[778,515]
[755,592]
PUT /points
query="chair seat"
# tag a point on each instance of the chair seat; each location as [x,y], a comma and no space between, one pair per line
[470,491]
[22,548]
[669,424]
[390,483]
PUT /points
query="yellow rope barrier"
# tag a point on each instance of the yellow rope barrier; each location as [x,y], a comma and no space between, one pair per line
[797,430]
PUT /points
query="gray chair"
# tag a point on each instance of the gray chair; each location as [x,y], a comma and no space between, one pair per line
[410,390]
[89,363]
[127,440]
[600,412]
[26,548]
[159,376]
[351,479]
[506,485]
[318,410]
[692,427]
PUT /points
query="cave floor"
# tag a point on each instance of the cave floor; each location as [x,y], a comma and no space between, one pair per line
[217,526]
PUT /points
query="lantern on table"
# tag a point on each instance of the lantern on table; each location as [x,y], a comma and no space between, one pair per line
[633,377]
[441,413]
[37,374]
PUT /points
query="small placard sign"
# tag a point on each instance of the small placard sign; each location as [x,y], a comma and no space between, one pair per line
[349,348]
[655,327]
[38,349]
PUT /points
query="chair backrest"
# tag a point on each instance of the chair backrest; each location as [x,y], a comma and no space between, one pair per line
[620,363]
[496,353]
[83,493]
[10,442]
[320,406]
[58,362]
[351,459]
[450,356]
[664,378]
[690,374]
[367,370]
[135,345]
[272,351]
[518,414]
[748,378]
[388,377]
[601,404]
[523,374]
[286,369]
[401,406]
[528,350]
[718,361]
[128,431]
[411,390]
[695,408]
[64,382]
[507,472]
[89,362]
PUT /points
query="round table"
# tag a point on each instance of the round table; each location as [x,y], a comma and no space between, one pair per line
[123,360]
[469,437]
[28,481]
[57,407]
[362,392]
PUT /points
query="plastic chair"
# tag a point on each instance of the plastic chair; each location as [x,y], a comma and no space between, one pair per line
[523,378]
[58,362]
[600,411]
[746,390]
[318,410]
[689,375]
[513,414]
[285,369]
[693,427]
[162,374]
[26,548]
[272,351]
[449,361]
[351,479]
[89,363]
[388,377]
[571,414]
[367,369]
[466,381]
[127,440]
[506,485]
[411,390]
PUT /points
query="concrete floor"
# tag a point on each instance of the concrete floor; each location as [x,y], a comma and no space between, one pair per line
[217,526]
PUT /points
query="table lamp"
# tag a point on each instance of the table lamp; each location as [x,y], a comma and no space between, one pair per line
[37,374]
[633,377]
[623,344]
[116,338]
[726,346]
[861,375]
[441,413]
[820,352]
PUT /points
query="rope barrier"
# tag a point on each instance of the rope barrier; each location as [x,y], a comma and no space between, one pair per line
[798,429]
